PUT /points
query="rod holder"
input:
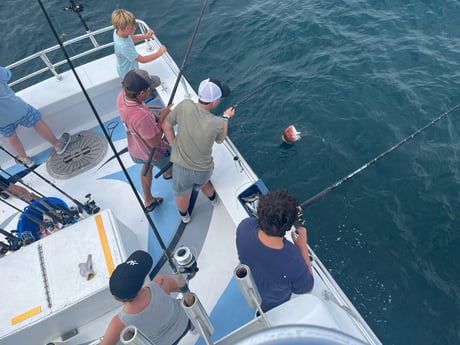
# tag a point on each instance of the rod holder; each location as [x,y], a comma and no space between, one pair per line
[133,336]
[200,318]
[243,277]
[247,285]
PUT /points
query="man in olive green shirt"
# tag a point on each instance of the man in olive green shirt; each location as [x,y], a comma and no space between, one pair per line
[197,131]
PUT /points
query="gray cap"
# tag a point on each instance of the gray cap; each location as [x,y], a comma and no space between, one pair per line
[137,80]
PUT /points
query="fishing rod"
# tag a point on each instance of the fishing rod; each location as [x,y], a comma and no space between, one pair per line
[112,146]
[78,8]
[48,225]
[88,208]
[56,217]
[372,161]
[70,213]
[179,76]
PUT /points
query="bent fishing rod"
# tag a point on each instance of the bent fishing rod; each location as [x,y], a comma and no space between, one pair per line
[179,76]
[111,144]
[372,161]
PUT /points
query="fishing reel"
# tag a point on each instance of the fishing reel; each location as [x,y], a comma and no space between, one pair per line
[71,215]
[299,221]
[4,248]
[27,238]
[77,8]
[90,205]
[14,242]
[186,262]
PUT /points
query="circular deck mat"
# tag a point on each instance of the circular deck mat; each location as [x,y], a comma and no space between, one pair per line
[86,149]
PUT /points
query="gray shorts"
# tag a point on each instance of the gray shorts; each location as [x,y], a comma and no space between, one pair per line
[185,180]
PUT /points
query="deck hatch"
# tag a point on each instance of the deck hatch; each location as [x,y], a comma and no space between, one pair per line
[85,151]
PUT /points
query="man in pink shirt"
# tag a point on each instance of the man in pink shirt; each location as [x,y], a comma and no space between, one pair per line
[143,129]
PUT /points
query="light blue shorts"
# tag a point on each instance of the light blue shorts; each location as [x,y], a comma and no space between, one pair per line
[30,119]
[185,180]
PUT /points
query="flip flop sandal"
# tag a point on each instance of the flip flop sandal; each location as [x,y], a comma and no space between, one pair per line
[155,203]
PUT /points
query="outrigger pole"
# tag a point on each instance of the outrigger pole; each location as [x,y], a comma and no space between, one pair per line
[179,76]
[372,161]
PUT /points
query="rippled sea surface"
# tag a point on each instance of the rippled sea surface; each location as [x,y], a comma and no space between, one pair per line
[355,77]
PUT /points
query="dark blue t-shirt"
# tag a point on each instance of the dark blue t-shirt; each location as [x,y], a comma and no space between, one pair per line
[277,272]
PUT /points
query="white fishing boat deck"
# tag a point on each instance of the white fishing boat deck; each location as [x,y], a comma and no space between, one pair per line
[26,317]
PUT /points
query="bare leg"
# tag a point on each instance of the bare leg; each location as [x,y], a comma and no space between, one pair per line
[208,189]
[16,145]
[42,128]
[182,202]
[146,182]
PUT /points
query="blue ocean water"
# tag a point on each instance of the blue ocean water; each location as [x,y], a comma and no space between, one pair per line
[366,74]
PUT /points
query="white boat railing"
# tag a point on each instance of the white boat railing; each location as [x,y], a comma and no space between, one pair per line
[43,62]
[337,296]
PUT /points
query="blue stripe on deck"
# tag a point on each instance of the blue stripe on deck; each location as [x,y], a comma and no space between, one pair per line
[230,312]
[164,216]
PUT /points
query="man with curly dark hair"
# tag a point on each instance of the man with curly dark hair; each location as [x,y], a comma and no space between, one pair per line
[278,266]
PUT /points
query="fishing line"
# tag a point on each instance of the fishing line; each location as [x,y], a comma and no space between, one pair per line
[372,161]
[245,99]
[112,146]
[179,76]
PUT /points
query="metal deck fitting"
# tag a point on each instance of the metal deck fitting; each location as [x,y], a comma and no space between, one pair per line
[86,149]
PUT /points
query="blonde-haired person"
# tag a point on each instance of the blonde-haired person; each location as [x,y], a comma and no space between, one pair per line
[124,38]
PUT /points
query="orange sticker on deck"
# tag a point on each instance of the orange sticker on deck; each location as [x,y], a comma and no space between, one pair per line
[105,244]
[24,316]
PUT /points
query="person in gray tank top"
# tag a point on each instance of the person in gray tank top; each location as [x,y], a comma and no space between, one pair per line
[148,305]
